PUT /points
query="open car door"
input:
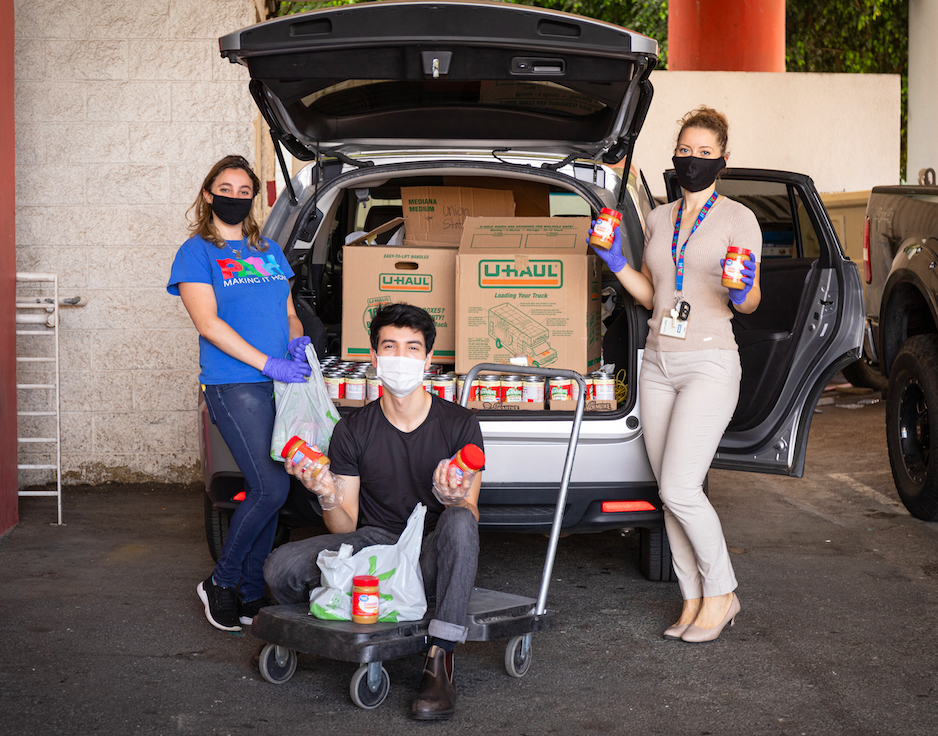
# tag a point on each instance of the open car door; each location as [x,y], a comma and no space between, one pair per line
[807,327]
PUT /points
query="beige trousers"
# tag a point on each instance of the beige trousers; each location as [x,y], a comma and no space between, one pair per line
[687,400]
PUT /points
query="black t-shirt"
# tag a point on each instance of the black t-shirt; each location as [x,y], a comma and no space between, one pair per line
[396,468]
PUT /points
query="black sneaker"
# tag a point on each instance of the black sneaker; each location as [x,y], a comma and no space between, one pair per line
[221,605]
[247,610]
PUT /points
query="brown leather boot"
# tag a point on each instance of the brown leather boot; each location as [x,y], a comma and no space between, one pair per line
[436,699]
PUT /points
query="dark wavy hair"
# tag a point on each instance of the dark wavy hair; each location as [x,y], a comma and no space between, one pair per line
[201,221]
[404,315]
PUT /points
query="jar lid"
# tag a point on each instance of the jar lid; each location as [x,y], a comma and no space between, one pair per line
[736,249]
[472,457]
[365,581]
[610,213]
[292,444]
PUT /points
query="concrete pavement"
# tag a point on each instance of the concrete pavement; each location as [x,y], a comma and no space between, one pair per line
[103,632]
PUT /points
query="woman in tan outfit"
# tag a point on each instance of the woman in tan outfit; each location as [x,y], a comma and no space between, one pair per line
[689,382]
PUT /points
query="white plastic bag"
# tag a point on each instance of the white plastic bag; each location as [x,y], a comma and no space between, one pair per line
[400,583]
[304,410]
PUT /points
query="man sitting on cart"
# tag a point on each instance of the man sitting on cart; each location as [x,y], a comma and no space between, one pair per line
[385,459]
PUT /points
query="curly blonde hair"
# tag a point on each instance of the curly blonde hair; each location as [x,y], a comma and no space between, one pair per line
[708,119]
[200,223]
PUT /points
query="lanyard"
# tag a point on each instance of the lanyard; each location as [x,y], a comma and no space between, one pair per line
[679,261]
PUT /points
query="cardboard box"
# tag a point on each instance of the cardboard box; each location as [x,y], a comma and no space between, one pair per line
[434,216]
[505,406]
[349,402]
[376,275]
[590,406]
[528,286]
[532,198]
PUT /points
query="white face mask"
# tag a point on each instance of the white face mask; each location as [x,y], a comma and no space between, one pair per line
[400,375]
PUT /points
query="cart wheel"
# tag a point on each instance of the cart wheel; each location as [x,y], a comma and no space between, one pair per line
[362,695]
[276,664]
[516,663]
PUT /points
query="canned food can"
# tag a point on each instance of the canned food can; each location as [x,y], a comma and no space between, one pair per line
[428,382]
[604,386]
[560,389]
[590,388]
[460,380]
[532,390]
[490,388]
[374,388]
[444,387]
[335,384]
[355,387]
[511,390]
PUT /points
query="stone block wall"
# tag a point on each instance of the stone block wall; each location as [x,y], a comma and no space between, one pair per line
[121,108]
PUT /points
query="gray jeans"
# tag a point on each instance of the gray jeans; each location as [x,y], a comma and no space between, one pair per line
[449,556]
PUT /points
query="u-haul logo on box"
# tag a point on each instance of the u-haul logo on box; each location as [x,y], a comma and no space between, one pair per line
[505,272]
[412,282]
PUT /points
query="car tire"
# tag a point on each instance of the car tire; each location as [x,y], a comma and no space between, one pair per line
[913,447]
[216,529]
[654,556]
[863,375]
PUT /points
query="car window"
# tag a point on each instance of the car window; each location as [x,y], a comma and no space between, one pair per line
[787,231]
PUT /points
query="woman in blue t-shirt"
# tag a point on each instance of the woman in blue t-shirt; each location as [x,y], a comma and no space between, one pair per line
[234,284]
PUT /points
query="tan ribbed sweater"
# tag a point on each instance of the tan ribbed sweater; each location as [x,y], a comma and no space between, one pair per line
[727,223]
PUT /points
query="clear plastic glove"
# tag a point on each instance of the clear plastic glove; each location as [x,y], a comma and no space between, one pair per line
[451,484]
[612,257]
[748,274]
[286,371]
[317,478]
[297,348]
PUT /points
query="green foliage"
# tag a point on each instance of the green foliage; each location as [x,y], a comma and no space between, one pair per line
[853,36]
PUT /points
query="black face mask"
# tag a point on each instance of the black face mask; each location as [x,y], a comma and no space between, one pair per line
[230,210]
[696,174]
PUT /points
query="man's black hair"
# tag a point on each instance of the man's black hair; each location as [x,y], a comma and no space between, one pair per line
[404,315]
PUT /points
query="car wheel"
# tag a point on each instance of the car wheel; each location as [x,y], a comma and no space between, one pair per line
[654,557]
[913,447]
[216,530]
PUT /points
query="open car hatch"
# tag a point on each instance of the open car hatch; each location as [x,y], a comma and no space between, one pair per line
[454,75]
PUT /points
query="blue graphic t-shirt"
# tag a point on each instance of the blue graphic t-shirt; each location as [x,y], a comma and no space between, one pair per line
[251,290]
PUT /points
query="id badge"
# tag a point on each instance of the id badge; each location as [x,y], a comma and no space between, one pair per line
[673,328]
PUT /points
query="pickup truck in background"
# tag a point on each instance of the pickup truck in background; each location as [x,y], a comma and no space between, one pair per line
[900,259]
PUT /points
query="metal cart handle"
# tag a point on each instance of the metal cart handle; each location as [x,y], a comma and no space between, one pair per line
[568,463]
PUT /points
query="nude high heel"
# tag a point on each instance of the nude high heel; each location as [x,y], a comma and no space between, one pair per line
[695,634]
[675,632]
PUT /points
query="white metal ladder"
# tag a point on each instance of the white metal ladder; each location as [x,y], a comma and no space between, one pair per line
[40,316]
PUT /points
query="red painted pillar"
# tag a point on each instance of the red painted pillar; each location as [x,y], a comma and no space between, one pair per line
[8,475]
[726,35]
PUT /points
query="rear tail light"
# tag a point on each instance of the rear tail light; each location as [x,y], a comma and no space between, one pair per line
[618,507]
[239,496]
[867,269]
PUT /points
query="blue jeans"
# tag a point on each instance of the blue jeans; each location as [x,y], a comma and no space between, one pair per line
[244,415]
[448,559]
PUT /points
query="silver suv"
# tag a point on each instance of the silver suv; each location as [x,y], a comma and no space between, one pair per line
[384,95]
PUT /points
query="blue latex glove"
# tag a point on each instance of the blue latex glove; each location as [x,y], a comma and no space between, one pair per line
[738,296]
[612,257]
[286,371]
[297,348]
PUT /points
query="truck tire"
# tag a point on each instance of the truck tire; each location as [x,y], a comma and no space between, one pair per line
[913,447]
